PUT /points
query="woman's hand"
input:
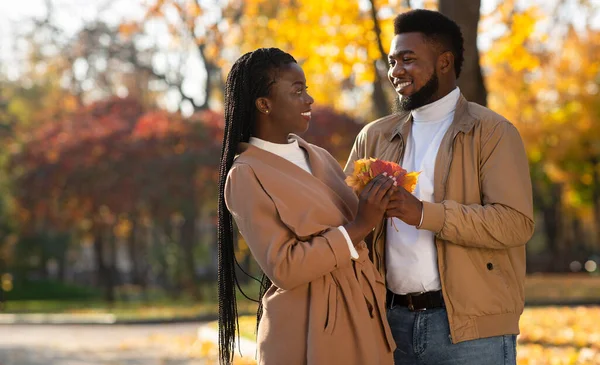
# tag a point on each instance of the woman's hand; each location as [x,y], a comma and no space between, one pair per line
[372,205]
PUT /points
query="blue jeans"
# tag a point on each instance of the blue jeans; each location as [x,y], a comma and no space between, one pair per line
[423,338]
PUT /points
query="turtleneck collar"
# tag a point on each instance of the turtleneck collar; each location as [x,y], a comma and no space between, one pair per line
[275,148]
[438,110]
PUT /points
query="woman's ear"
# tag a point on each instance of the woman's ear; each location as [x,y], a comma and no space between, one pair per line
[263,105]
[446,62]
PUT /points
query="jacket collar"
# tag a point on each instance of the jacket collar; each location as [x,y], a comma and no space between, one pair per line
[317,165]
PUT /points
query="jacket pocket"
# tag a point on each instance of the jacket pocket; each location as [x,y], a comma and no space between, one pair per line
[495,264]
[331,308]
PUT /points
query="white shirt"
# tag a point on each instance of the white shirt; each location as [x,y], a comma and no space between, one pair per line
[296,155]
[411,256]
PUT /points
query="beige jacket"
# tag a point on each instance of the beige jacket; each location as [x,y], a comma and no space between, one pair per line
[482,215]
[324,308]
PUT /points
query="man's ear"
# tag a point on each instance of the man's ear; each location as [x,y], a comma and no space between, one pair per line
[446,62]
[263,105]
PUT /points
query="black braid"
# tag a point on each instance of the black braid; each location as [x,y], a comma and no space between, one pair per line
[250,77]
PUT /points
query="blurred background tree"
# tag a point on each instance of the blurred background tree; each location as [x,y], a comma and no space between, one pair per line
[111,129]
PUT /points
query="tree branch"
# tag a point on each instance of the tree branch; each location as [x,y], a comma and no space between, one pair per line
[165,79]
[380,102]
[377,30]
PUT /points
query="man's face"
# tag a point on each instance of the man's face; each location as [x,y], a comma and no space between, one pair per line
[412,60]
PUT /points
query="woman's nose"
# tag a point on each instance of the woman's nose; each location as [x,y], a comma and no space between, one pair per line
[309,99]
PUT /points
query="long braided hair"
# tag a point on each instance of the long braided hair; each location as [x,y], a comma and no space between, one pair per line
[250,78]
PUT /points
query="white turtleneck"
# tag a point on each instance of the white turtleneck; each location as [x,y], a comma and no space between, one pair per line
[290,151]
[411,256]
[296,155]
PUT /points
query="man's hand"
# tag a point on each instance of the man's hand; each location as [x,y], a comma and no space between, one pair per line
[405,206]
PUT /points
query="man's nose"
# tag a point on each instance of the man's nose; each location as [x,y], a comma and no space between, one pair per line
[397,70]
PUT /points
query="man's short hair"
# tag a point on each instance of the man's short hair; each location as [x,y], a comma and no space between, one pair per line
[437,28]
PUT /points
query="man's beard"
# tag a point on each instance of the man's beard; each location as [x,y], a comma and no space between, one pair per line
[420,98]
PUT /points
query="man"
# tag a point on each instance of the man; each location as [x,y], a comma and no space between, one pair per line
[454,261]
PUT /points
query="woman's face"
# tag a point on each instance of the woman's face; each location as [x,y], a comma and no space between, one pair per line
[289,103]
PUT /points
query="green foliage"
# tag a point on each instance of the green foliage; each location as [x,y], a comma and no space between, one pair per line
[49,290]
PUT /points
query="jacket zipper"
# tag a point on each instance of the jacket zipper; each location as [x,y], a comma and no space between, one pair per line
[447,172]
[380,256]
[444,185]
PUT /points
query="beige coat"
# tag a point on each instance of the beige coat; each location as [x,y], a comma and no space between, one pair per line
[482,215]
[324,308]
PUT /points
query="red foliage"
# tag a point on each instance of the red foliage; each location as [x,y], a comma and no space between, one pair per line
[333,131]
[115,154]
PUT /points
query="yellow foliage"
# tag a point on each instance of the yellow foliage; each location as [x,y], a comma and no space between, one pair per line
[334,41]
[549,336]
[242,249]
[547,86]
[123,228]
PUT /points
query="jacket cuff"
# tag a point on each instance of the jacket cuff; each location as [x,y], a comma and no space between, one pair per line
[339,246]
[434,216]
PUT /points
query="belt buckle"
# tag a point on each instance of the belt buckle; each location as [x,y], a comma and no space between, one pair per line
[411,306]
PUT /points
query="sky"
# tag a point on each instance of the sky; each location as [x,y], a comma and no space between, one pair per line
[70,15]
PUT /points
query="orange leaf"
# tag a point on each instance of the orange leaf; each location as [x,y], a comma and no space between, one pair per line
[367,168]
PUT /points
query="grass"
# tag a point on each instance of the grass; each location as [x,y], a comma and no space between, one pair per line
[551,335]
[129,306]
[548,290]
[545,289]
[165,309]
[540,290]
[49,290]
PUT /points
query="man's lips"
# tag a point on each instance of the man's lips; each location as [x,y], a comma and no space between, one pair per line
[400,86]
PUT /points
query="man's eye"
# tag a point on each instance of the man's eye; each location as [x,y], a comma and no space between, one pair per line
[408,60]
[391,62]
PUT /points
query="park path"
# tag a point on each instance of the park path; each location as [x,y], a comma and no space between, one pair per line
[151,344]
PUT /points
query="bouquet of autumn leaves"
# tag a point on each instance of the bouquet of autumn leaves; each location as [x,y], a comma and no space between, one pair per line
[367,168]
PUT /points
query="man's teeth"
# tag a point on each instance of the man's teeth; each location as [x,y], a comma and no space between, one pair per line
[404,84]
[306,114]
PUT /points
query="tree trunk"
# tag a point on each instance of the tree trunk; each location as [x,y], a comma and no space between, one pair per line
[596,195]
[188,240]
[381,104]
[466,14]
[104,276]
[553,226]
[113,272]
[136,278]
[211,71]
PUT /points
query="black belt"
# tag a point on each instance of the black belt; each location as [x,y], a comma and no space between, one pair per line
[416,301]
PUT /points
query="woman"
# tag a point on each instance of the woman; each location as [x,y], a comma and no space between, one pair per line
[303,225]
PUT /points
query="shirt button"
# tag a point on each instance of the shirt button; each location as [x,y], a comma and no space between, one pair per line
[490,266]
